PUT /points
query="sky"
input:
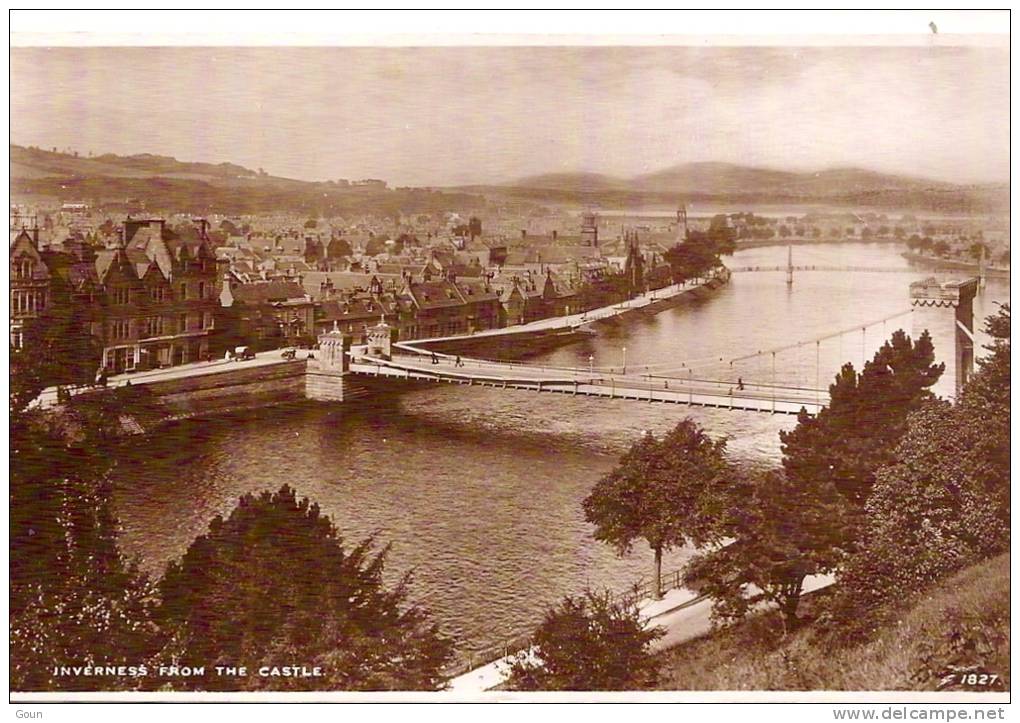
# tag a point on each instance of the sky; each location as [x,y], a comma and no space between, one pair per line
[458,115]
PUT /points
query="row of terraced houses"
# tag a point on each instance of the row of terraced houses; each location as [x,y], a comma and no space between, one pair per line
[157,299]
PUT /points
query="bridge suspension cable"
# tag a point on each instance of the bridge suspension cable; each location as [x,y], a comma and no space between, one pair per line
[841,332]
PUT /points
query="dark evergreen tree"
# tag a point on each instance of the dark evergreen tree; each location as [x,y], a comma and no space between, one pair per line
[942,501]
[75,600]
[272,584]
[856,433]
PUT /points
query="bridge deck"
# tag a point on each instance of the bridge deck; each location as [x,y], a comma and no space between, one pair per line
[701,393]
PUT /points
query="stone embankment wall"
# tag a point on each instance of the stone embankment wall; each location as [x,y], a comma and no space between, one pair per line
[231,389]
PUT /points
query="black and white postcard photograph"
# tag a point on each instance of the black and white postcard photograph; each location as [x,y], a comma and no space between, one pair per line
[648,356]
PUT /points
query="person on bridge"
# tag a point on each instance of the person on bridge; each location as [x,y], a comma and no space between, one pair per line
[740,384]
[435,359]
[458,363]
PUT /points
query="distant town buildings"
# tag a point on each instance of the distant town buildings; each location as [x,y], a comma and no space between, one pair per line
[153,291]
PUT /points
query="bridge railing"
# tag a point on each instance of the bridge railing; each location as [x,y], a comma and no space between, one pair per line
[624,386]
[647,381]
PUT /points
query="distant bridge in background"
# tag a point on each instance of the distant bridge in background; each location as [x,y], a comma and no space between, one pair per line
[814,267]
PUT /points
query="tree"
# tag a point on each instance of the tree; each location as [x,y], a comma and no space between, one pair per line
[700,253]
[943,500]
[866,415]
[273,583]
[780,533]
[75,600]
[670,493]
[57,349]
[587,643]
[978,249]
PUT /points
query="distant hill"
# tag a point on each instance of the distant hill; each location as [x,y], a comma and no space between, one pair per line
[575,181]
[40,163]
[709,181]
[728,178]
[163,183]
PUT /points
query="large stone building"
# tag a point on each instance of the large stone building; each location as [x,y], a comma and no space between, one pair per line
[159,297]
[30,283]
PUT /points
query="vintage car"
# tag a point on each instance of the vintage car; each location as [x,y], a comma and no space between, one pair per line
[243,352]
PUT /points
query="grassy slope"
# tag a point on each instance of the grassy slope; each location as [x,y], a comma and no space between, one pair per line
[962,621]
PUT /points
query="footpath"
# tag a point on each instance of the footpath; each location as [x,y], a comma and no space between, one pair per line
[681,614]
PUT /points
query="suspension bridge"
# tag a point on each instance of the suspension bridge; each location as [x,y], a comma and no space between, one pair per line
[768,380]
[789,267]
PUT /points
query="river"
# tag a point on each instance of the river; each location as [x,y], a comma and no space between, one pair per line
[479,490]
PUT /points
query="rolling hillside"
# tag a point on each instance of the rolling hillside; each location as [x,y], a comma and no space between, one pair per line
[166,184]
[735,183]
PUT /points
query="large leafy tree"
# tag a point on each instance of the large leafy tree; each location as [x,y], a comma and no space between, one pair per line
[779,534]
[587,642]
[670,492]
[699,253]
[273,584]
[943,500]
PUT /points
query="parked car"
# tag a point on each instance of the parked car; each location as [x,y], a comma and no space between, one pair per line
[290,354]
[242,353]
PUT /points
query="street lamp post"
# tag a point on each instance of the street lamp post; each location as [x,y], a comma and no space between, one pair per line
[624,360]
[591,363]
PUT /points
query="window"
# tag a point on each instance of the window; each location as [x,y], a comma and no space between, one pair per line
[201,289]
[207,320]
[154,326]
[122,296]
[184,291]
[120,329]
[183,322]
[158,293]
[24,269]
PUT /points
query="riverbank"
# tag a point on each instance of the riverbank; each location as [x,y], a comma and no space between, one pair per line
[937,262]
[681,614]
[544,335]
[767,243]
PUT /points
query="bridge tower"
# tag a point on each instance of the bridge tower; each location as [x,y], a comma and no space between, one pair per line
[333,348]
[982,267]
[325,376]
[789,265]
[380,340]
[590,229]
[946,311]
[681,223]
